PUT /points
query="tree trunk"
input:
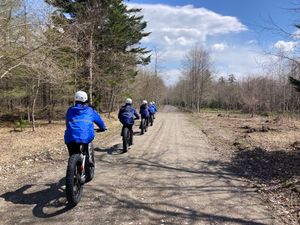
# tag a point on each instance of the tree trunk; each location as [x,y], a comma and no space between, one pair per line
[45,95]
[91,69]
[28,109]
[50,104]
[111,102]
[33,105]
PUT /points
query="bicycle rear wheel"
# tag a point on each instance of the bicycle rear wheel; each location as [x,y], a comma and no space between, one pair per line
[143,126]
[125,137]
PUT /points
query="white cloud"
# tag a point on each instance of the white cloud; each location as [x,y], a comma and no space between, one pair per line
[171,54]
[252,42]
[185,25]
[285,46]
[176,29]
[296,34]
[171,76]
[240,60]
[178,41]
[219,47]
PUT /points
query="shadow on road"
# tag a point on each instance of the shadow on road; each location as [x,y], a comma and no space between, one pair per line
[161,182]
[266,166]
[114,150]
[164,212]
[136,133]
[49,202]
[155,165]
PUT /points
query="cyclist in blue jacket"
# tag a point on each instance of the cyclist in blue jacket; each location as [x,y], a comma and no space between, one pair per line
[144,111]
[155,107]
[127,115]
[80,120]
[151,110]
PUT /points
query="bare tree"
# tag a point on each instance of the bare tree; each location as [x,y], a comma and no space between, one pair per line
[197,72]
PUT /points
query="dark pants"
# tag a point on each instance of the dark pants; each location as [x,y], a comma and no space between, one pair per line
[147,121]
[74,148]
[151,118]
[129,128]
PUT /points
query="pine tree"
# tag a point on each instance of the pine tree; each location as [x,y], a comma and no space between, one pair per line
[109,35]
[295,83]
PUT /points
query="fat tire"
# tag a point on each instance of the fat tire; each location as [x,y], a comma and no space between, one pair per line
[74,163]
[125,139]
[143,126]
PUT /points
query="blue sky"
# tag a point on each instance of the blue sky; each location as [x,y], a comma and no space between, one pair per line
[234,31]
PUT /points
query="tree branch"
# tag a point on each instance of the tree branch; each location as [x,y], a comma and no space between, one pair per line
[7,71]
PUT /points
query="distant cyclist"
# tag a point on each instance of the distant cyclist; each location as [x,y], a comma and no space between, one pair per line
[79,122]
[127,115]
[151,110]
[155,107]
[144,111]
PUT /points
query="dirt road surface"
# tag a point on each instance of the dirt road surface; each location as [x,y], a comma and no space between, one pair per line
[172,175]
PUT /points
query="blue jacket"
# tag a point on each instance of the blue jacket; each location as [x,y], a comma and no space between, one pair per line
[80,121]
[144,111]
[155,107]
[151,109]
[127,114]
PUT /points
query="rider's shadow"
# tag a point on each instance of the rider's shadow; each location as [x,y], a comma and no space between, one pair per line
[48,202]
[114,150]
[136,133]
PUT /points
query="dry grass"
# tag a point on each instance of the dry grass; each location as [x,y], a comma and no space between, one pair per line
[27,151]
[16,145]
[282,133]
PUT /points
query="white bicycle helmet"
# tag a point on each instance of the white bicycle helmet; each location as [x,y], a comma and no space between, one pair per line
[81,96]
[128,101]
[144,102]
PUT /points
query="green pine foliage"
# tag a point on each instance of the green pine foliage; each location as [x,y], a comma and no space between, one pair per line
[20,124]
[295,83]
[116,32]
[81,44]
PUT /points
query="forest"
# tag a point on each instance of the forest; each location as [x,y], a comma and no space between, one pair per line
[50,50]
[273,90]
